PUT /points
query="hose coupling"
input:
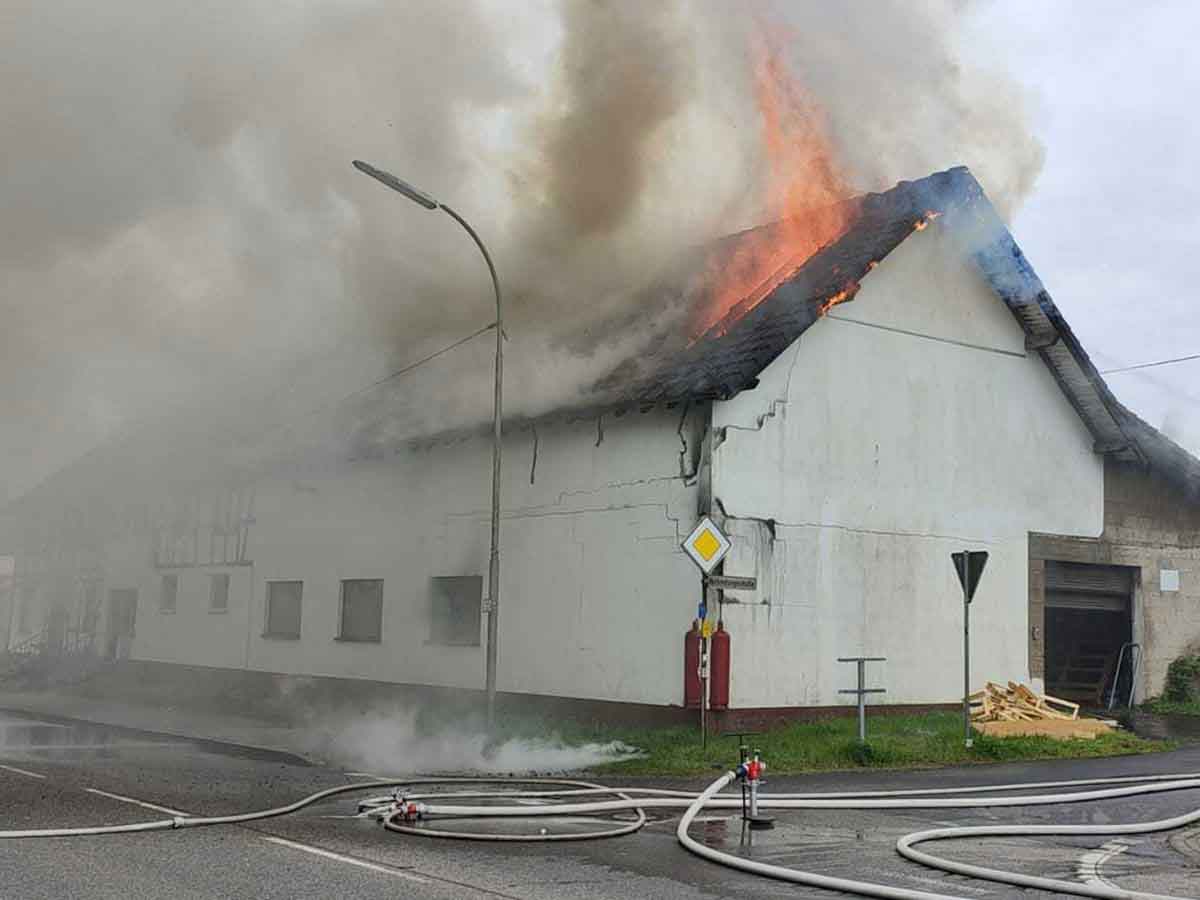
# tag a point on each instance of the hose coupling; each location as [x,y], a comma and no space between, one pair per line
[412,812]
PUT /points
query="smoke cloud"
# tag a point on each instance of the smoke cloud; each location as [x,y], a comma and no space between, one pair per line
[392,742]
[182,231]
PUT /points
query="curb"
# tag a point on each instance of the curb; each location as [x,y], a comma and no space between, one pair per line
[252,751]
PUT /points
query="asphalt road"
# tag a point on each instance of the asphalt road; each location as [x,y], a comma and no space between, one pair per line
[55,774]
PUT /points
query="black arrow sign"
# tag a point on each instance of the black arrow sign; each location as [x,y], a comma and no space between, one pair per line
[969,566]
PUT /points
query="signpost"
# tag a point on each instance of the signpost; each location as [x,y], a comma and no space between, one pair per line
[707,546]
[862,690]
[968,566]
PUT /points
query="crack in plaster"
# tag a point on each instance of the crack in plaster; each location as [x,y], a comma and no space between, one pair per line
[882,532]
[773,407]
[533,462]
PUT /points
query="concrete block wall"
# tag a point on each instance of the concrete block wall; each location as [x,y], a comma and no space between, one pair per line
[1149,526]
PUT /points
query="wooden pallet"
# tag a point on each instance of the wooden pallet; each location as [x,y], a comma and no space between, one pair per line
[1017,703]
[1060,729]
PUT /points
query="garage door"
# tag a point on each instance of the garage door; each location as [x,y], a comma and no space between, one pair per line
[1083,586]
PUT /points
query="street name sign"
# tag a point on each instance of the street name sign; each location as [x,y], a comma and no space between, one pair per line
[733,582]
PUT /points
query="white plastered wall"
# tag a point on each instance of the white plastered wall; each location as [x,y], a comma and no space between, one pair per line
[596,593]
[908,424]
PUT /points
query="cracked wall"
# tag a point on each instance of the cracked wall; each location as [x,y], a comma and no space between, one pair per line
[906,425]
[596,592]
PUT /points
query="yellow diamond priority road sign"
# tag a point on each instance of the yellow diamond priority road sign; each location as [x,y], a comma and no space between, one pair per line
[706,545]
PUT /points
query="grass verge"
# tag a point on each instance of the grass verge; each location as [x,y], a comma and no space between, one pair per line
[934,739]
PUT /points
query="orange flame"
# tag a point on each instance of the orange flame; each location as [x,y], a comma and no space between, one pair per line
[806,193]
[841,296]
[923,223]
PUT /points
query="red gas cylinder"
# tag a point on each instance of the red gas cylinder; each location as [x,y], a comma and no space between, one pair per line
[718,664]
[691,667]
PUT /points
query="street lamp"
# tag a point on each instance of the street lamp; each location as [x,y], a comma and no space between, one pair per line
[493,604]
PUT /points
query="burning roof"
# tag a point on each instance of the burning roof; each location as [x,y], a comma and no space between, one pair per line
[727,357]
[728,354]
[719,356]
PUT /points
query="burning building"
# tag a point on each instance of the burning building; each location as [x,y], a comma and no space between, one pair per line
[850,409]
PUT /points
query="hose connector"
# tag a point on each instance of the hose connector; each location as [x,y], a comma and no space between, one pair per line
[412,812]
[755,768]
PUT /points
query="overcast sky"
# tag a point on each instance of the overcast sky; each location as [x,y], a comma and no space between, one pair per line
[1113,225]
[180,228]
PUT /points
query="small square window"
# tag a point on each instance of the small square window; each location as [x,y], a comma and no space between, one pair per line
[168,594]
[457,610]
[218,594]
[284,602]
[361,617]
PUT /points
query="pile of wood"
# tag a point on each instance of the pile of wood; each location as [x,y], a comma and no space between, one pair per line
[1017,710]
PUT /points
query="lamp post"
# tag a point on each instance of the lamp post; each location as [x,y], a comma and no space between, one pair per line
[493,603]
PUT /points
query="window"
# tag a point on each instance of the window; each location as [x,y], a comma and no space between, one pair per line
[25,610]
[457,610]
[218,594]
[91,607]
[283,609]
[361,616]
[168,594]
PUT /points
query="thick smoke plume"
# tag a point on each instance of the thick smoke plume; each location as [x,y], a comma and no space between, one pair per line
[182,231]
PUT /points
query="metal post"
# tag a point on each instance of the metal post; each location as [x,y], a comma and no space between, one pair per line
[493,626]
[862,701]
[967,739]
[862,690]
[493,603]
[703,691]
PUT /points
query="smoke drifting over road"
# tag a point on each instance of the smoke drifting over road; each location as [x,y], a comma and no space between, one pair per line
[181,228]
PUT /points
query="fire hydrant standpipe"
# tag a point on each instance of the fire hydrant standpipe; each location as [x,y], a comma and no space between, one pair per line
[749,772]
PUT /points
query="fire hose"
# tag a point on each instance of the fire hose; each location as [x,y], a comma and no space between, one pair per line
[401,810]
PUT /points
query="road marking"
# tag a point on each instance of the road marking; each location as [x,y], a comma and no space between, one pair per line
[1091,862]
[135,802]
[21,771]
[27,748]
[350,860]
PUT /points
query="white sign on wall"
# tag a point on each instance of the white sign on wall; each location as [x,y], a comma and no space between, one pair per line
[1168,580]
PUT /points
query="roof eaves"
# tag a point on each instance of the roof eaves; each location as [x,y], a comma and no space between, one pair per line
[1012,278]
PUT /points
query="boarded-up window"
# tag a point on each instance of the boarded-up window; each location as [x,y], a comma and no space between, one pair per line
[456,612]
[361,616]
[284,600]
[218,594]
[168,593]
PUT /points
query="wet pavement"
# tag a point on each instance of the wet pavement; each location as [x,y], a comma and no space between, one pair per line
[55,773]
